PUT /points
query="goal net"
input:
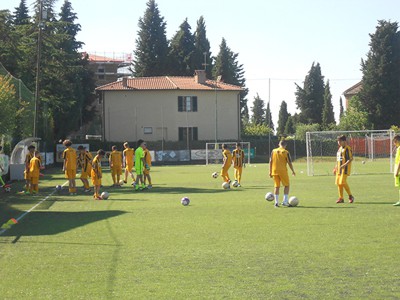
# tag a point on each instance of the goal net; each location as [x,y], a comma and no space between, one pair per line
[373,151]
[214,151]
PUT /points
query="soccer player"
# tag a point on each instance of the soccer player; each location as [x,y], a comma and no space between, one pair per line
[226,164]
[34,172]
[85,163]
[139,165]
[278,162]
[396,140]
[28,157]
[129,155]
[146,170]
[238,162]
[115,161]
[342,169]
[69,167]
[96,174]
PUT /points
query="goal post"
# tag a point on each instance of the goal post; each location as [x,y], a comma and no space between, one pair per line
[373,151]
[214,151]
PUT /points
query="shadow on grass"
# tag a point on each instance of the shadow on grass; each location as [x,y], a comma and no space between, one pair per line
[50,223]
[322,207]
[375,203]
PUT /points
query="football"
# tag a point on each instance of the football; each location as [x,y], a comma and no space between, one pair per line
[235,184]
[214,175]
[121,182]
[269,196]
[7,188]
[105,195]
[293,201]
[226,185]
[185,201]
[58,188]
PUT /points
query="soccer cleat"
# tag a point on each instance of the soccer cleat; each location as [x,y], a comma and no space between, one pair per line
[87,190]
[340,200]
[397,203]
[150,186]
[125,181]
[285,204]
[229,181]
[276,204]
[98,198]
[239,185]
[351,199]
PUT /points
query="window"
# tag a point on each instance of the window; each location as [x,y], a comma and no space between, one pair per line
[101,76]
[193,133]
[100,70]
[187,103]
[148,130]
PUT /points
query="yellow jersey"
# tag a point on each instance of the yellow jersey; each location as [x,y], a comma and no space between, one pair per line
[28,158]
[343,155]
[227,157]
[129,155]
[280,157]
[96,167]
[70,158]
[147,157]
[85,161]
[116,159]
[34,167]
[238,158]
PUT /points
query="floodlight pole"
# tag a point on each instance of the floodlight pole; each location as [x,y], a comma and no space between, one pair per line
[39,48]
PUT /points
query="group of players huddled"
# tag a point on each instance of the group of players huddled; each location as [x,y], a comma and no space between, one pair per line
[138,161]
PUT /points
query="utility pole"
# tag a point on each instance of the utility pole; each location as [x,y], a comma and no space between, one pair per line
[39,48]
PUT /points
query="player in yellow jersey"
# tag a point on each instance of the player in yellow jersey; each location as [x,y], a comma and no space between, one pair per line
[396,141]
[226,164]
[34,172]
[238,162]
[85,163]
[278,162]
[129,156]
[342,168]
[147,166]
[28,157]
[115,161]
[96,174]
[69,167]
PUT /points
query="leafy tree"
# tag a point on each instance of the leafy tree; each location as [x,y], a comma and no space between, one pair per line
[150,55]
[355,117]
[258,130]
[258,111]
[21,14]
[302,129]
[7,107]
[268,117]
[202,49]
[182,52]
[380,92]
[310,98]
[328,116]
[289,126]
[227,66]
[341,109]
[283,118]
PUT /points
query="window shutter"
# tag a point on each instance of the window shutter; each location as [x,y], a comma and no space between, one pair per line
[194,104]
[195,134]
[180,103]
[181,133]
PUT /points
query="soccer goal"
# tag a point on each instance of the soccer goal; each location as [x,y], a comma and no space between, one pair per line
[373,151]
[214,151]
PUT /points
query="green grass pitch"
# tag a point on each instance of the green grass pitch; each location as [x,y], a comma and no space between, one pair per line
[225,245]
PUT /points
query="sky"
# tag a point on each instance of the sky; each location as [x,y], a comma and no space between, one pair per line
[277,40]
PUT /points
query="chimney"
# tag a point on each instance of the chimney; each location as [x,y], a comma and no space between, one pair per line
[124,82]
[200,76]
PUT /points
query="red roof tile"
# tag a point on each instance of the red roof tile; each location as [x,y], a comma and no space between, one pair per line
[167,83]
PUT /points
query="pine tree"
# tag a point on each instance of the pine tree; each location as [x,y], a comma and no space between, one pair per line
[380,92]
[341,109]
[202,56]
[283,117]
[182,52]
[258,111]
[151,53]
[310,98]
[328,116]
[21,14]
[227,66]
[268,117]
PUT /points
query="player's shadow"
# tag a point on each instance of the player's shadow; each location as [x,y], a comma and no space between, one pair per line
[185,190]
[50,223]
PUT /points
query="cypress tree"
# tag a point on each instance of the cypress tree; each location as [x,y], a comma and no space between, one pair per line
[258,111]
[202,49]
[341,109]
[283,117]
[268,117]
[328,116]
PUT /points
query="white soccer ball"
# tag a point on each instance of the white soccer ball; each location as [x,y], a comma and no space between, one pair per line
[7,189]
[269,196]
[185,201]
[58,188]
[226,185]
[293,201]
[121,182]
[214,175]
[235,184]
[105,195]
[363,162]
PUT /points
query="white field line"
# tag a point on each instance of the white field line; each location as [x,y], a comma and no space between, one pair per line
[20,217]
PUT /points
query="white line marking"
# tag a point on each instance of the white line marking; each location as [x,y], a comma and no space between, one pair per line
[32,208]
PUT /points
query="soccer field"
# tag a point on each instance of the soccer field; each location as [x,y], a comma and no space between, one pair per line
[227,244]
